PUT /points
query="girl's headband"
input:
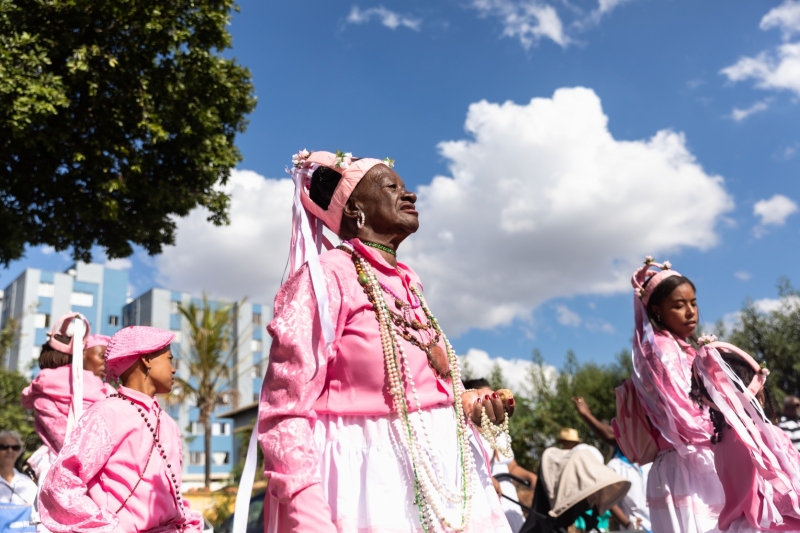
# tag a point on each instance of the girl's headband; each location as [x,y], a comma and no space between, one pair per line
[644,288]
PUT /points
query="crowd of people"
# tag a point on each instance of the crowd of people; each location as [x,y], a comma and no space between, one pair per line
[366,426]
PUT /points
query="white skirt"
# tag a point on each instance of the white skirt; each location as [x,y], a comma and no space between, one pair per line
[684,494]
[368,481]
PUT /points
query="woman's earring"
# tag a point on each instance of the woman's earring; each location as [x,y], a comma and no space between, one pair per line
[361,219]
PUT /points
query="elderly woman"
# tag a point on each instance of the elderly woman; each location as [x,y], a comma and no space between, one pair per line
[15,488]
[363,420]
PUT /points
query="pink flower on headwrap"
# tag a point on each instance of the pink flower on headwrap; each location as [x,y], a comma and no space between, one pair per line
[300,158]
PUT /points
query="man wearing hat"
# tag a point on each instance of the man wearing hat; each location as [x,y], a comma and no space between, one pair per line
[569,439]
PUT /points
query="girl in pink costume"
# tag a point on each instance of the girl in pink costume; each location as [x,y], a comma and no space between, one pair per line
[684,493]
[755,460]
[119,470]
[51,394]
[361,415]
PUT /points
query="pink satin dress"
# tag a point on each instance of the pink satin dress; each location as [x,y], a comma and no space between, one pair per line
[326,422]
[90,488]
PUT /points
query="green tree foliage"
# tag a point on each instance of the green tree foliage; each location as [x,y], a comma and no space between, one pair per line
[541,414]
[773,338]
[12,415]
[210,364]
[9,336]
[114,118]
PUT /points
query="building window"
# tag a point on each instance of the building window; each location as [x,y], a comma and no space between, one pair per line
[82,299]
[255,345]
[41,320]
[197,458]
[224,399]
[174,307]
[196,428]
[47,290]
[256,396]
[220,458]
[256,319]
[256,370]
[220,429]
[113,320]
[177,333]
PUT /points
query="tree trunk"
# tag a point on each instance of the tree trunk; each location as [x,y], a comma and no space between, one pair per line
[205,417]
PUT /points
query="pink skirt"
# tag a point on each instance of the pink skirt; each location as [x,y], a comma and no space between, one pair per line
[684,494]
[368,481]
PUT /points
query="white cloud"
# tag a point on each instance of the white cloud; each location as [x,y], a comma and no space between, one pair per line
[245,258]
[516,372]
[48,250]
[786,17]
[121,263]
[773,212]
[742,275]
[740,114]
[780,69]
[733,320]
[567,317]
[528,20]
[543,202]
[388,18]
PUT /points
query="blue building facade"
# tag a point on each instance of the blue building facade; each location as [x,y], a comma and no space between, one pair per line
[37,298]
[160,308]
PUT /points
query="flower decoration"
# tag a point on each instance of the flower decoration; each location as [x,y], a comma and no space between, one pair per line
[343,159]
[388,161]
[667,265]
[299,159]
[648,259]
[639,292]
[706,340]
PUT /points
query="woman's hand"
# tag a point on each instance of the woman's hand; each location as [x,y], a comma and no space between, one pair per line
[495,402]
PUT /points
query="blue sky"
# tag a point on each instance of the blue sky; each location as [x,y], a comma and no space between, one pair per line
[720,81]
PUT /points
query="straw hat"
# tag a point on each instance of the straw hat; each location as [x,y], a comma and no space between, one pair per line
[569,435]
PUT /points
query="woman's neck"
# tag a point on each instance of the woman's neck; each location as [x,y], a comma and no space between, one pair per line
[391,242]
[7,472]
[140,383]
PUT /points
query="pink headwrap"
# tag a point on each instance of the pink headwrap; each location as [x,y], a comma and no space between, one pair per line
[773,457]
[308,218]
[96,340]
[643,274]
[129,344]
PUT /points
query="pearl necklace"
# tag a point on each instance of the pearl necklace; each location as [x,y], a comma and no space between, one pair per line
[429,490]
[491,432]
[154,430]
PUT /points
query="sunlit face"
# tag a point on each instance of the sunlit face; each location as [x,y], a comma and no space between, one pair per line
[388,207]
[678,312]
[94,361]
[162,373]
[10,450]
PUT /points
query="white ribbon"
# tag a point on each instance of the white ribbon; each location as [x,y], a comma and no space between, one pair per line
[76,407]
[307,244]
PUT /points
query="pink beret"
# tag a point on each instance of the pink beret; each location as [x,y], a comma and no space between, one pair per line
[96,340]
[129,344]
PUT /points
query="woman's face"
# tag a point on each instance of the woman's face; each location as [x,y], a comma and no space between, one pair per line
[678,312]
[10,450]
[162,373]
[94,361]
[388,207]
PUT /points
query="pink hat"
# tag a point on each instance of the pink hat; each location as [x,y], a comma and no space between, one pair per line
[63,326]
[129,344]
[643,274]
[96,340]
[352,171]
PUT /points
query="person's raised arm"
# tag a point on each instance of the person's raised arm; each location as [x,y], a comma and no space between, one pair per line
[600,429]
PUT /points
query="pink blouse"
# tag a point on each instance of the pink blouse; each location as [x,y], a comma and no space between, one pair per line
[663,380]
[101,462]
[744,494]
[305,379]
[49,396]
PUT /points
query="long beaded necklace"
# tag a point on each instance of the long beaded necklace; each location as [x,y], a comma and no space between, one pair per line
[426,468]
[154,430]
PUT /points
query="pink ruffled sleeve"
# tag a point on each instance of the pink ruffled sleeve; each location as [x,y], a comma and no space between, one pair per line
[294,381]
[662,376]
[65,505]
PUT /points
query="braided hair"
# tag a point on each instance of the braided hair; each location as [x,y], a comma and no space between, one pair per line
[746,374]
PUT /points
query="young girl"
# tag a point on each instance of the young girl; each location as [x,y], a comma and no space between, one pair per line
[50,395]
[684,493]
[120,469]
[755,460]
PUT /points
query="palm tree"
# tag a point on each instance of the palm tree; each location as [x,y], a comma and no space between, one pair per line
[211,374]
